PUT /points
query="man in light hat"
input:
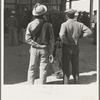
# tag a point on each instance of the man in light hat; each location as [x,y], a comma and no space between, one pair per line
[40,36]
[70,32]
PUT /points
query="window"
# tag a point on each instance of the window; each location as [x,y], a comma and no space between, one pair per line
[9,1]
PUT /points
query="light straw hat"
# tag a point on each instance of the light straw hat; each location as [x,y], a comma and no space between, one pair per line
[39,9]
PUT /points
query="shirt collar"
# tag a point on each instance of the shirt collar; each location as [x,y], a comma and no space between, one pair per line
[39,20]
[71,20]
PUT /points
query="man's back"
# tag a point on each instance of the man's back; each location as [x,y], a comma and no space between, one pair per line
[73,30]
[44,32]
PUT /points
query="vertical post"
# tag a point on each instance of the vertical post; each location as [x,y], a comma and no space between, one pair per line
[30,5]
[41,1]
[63,5]
[70,4]
[66,2]
[15,4]
[4,1]
[91,11]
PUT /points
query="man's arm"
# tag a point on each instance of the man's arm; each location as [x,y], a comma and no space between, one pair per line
[62,34]
[30,41]
[86,31]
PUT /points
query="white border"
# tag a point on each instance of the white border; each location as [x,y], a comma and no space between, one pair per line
[98,75]
[2,45]
[23,87]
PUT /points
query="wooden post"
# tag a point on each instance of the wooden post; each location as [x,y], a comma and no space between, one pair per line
[63,5]
[70,4]
[40,1]
[4,1]
[91,11]
[15,4]
[31,5]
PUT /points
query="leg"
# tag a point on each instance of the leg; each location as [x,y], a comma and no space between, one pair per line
[65,68]
[23,32]
[32,71]
[20,35]
[10,34]
[75,67]
[66,57]
[15,39]
[44,63]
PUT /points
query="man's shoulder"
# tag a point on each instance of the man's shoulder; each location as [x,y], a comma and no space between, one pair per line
[33,22]
[67,23]
[76,22]
[79,23]
[30,23]
[64,23]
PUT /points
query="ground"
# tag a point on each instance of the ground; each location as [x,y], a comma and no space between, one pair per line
[16,60]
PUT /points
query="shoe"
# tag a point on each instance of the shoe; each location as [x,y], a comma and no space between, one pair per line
[66,80]
[76,79]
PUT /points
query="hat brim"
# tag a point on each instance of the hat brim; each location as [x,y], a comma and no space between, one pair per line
[70,11]
[36,14]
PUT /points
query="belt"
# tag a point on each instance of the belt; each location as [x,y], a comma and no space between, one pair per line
[39,47]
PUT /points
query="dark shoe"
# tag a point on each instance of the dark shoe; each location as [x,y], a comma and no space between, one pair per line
[66,80]
[76,79]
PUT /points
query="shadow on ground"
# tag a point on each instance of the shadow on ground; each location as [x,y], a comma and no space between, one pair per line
[16,60]
[85,79]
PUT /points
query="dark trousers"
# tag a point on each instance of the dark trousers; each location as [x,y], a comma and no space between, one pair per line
[70,54]
[13,39]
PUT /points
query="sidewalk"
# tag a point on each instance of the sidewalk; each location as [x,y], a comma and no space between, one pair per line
[16,60]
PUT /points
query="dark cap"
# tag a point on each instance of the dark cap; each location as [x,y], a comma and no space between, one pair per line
[95,10]
[70,11]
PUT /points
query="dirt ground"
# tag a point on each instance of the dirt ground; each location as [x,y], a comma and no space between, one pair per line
[16,60]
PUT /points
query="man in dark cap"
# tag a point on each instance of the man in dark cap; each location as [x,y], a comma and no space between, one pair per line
[40,36]
[70,32]
[12,24]
[24,22]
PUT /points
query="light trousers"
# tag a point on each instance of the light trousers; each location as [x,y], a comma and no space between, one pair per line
[39,58]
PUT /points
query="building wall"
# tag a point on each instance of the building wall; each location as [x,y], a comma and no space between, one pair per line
[55,4]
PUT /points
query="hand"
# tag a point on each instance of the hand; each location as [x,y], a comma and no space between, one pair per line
[43,47]
[51,58]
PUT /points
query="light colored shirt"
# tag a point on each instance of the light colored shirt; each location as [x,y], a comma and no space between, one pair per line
[71,30]
[32,28]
